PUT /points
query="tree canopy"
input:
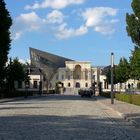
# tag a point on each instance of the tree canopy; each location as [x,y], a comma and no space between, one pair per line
[5,24]
[133,30]
[135,63]
[133,22]
[108,74]
[122,71]
[15,72]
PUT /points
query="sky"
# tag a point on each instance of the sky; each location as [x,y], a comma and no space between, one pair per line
[82,30]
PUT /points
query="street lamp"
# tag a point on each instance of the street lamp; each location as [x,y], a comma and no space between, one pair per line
[112,78]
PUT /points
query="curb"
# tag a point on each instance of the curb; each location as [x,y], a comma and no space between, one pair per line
[10,100]
[18,99]
[129,119]
[124,116]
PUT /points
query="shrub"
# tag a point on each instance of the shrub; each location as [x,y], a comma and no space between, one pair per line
[106,94]
[138,85]
[129,98]
[124,97]
[51,91]
[9,94]
[136,99]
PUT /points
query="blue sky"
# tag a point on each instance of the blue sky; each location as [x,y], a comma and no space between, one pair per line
[83,30]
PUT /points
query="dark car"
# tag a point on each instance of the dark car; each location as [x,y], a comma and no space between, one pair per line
[85,93]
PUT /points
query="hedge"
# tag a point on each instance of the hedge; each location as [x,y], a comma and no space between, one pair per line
[124,97]
[51,91]
[129,98]
[10,94]
[136,99]
[106,94]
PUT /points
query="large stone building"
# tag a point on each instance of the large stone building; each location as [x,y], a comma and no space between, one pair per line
[75,75]
[47,70]
[72,74]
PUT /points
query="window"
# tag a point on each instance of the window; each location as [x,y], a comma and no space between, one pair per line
[78,76]
[56,77]
[77,72]
[86,85]
[86,77]
[50,85]
[35,84]
[62,77]
[93,76]
[77,85]
[19,84]
[69,85]
[27,84]
[86,74]
[68,77]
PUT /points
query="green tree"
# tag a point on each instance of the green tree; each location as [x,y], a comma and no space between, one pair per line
[5,24]
[108,74]
[27,78]
[15,72]
[133,22]
[135,63]
[122,71]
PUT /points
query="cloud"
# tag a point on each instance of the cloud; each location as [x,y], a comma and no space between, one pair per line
[99,18]
[17,35]
[108,30]
[26,23]
[30,22]
[54,4]
[55,17]
[23,61]
[64,32]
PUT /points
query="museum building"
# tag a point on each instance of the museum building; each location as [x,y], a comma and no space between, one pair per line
[49,69]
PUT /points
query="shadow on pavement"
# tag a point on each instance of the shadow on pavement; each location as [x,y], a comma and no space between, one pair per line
[50,127]
[51,97]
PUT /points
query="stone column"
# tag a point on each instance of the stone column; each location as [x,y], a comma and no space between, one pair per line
[83,74]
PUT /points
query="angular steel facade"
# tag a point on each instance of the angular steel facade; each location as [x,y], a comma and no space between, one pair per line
[47,62]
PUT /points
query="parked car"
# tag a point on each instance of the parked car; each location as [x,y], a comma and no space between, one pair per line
[85,92]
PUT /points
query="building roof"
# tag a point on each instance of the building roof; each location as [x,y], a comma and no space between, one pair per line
[47,62]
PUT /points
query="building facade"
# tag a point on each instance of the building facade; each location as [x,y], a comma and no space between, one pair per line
[35,80]
[47,70]
[75,75]
[72,74]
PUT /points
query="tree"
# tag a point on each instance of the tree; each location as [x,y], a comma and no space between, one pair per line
[5,24]
[122,71]
[27,78]
[133,22]
[14,72]
[135,64]
[108,74]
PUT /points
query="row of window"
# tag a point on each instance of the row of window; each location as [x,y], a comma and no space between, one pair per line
[35,84]
[76,77]
[77,85]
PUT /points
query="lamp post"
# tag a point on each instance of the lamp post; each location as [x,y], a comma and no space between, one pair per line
[112,78]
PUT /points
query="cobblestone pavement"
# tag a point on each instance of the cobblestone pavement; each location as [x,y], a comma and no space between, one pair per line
[128,111]
[62,117]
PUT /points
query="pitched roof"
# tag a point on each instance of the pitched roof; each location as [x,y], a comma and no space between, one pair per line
[47,62]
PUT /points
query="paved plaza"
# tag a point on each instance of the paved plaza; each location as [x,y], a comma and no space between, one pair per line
[63,117]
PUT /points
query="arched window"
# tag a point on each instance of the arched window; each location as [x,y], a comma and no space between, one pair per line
[77,85]
[69,85]
[86,85]
[77,72]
